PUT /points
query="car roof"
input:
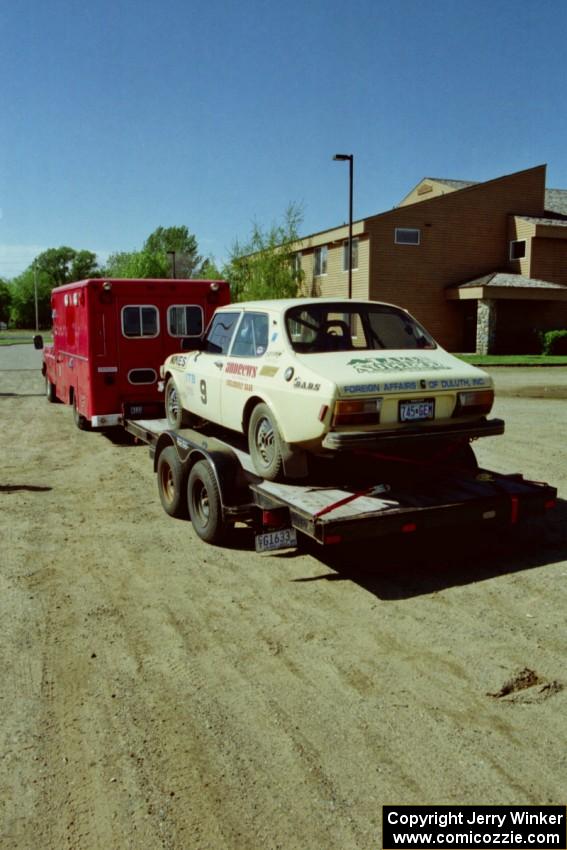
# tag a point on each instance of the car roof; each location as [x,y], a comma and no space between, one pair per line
[280,305]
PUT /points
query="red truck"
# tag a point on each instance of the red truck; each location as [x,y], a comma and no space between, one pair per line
[110,338]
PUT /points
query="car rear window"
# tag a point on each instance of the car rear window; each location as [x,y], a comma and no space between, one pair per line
[316,328]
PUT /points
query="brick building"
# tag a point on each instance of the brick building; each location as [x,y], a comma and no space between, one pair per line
[482,265]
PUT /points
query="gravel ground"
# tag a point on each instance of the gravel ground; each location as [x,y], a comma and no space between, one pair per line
[162,693]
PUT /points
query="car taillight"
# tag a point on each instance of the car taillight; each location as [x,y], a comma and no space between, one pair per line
[363,412]
[475,401]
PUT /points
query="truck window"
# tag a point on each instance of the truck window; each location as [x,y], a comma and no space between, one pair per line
[140,320]
[185,320]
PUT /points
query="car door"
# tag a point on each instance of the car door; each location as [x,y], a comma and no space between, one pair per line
[204,374]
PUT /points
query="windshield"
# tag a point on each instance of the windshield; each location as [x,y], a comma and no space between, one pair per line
[316,328]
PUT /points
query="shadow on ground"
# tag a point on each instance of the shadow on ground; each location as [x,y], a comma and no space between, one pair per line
[403,567]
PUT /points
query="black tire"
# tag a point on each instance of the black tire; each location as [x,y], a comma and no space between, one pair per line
[176,416]
[50,391]
[172,483]
[80,421]
[204,502]
[265,443]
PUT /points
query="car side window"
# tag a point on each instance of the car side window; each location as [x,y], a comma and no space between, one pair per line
[221,332]
[251,338]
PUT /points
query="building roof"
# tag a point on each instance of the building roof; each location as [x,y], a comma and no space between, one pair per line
[454,184]
[546,221]
[506,279]
[556,201]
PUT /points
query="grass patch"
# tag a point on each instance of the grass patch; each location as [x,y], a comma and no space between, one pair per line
[514,359]
[22,337]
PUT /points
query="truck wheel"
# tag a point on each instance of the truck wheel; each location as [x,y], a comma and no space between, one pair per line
[81,421]
[264,443]
[50,391]
[172,481]
[205,507]
[176,416]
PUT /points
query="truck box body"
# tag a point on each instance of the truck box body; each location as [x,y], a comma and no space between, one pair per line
[111,336]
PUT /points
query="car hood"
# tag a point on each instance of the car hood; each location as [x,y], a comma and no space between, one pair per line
[361,372]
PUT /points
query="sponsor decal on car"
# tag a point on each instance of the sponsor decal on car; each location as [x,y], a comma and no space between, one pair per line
[240,385]
[396,364]
[269,371]
[298,384]
[178,360]
[244,369]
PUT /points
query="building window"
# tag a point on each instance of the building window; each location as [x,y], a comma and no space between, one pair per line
[407,236]
[140,320]
[517,249]
[296,265]
[354,255]
[185,320]
[321,261]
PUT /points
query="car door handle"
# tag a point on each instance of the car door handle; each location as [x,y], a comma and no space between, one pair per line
[219,364]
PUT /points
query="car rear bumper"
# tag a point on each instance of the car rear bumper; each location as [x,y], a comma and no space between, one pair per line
[340,440]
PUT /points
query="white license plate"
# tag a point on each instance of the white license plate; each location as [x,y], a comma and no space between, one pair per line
[417,411]
[281,539]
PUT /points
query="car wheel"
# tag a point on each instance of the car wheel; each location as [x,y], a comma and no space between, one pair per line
[176,416]
[80,421]
[50,391]
[172,483]
[264,443]
[204,502]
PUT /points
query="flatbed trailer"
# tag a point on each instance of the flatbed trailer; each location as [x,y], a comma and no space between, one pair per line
[211,479]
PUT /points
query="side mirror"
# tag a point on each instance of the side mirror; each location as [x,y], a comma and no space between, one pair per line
[38,342]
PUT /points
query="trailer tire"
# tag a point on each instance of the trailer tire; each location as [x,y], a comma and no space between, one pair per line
[172,483]
[80,421]
[204,502]
[264,443]
[50,391]
[176,416]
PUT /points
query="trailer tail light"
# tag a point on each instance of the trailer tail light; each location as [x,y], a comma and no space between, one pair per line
[360,412]
[474,402]
[550,504]
[409,528]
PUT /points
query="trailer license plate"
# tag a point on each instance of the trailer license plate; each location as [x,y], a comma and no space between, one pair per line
[281,539]
[417,411]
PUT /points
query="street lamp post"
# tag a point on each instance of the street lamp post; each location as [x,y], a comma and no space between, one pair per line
[35,297]
[172,254]
[348,157]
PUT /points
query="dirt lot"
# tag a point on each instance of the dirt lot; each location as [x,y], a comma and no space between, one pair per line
[161,693]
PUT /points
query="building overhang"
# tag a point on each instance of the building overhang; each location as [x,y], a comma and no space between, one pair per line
[502,286]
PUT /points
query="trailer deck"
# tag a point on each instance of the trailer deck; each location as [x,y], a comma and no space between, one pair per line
[372,503]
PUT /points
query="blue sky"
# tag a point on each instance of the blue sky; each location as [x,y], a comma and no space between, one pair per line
[121,116]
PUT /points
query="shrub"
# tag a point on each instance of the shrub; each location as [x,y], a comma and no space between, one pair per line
[554,342]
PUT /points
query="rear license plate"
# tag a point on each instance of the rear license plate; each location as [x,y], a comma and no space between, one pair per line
[418,410]
[281,539]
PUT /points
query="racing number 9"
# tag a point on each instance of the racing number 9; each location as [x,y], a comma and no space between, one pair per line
[203,389]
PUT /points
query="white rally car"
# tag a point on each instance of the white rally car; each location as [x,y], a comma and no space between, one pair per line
[323,375]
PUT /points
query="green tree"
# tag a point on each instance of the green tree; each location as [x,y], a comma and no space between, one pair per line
[51,268]
[5,300]
[137,264]
[263,266]
[179,240]
[64,265]
[22,307]
[209,270]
